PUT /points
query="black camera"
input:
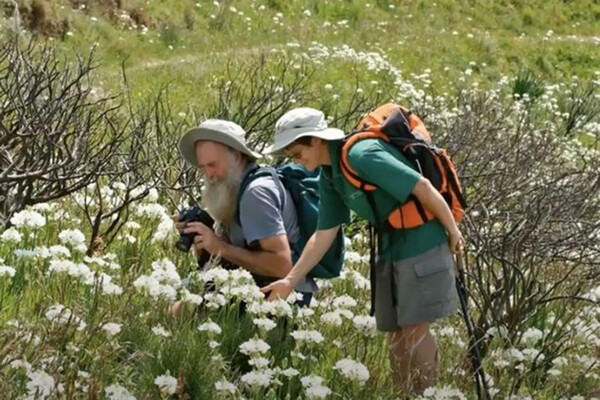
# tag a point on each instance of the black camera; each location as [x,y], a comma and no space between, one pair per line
[193,214]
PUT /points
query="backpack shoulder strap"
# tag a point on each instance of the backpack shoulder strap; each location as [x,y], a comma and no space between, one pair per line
[256,173]
[347,170]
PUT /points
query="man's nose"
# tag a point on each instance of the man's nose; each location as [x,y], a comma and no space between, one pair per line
[209,173]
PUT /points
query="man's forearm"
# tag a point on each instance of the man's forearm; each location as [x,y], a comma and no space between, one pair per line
[313,252]
[434,202]
[259,262]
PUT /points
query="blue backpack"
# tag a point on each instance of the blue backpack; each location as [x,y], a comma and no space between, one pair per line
[303,186]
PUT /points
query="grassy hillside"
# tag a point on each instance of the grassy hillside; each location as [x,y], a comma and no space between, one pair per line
[184,42]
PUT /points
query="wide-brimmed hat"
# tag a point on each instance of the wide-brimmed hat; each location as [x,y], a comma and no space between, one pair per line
[300,122]
[216,130]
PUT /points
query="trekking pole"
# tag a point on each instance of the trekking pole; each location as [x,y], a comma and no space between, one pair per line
[483,392]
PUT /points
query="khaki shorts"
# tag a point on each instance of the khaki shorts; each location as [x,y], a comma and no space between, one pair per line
[424,288]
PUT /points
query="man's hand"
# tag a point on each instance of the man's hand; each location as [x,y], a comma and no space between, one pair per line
[280,289]
[179,225]
[205,238]
[456,242]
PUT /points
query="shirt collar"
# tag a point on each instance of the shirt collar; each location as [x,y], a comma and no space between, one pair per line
[334,146]
[249,167]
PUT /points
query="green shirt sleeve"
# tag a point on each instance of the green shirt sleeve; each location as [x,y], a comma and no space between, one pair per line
[381,164]
[332,210]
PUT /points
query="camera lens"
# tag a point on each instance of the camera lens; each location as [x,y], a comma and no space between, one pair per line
[185,242]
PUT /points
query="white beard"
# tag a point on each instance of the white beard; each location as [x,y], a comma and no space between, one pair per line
[220,198]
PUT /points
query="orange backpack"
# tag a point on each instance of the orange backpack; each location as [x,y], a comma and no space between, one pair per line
[403,129]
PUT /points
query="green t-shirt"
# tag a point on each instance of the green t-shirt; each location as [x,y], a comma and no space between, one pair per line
[379,163]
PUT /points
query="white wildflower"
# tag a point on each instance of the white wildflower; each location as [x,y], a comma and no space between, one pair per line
[112,328]
[166,383]
[94,260]
[560,362]
[21,364]
[254,347]
[165,230]
[447,331]
[365,324]
[11,235]
[28,219]
[311,380]
[73,237]
[159,330]
[331,318]
[344,302]
[280,308]
[40,384]
[259,362]
[217,275]
[353,256]
[444,392]
[346,313]
[132,225]
[352,370]
[191,298]
[151,211]
[514,354]
[247,292]
[43,207]
[290,372]
[554,372]
[164,270]
[6,270]
[210,327]
[117,392]
[260,378]
[215,300]
[307,336]
[58,313]
[532,354]
[498,331]
[108,287]
[317,392]
[80,270]
[225,386]
[294,297]
[264,324]
[532,335]
[304,312]
[162,282]
[58,251]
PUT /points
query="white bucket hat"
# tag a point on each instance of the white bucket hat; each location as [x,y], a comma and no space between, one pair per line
[216,130]
[300,122]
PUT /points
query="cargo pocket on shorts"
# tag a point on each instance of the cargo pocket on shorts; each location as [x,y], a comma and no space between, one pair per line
[435,279]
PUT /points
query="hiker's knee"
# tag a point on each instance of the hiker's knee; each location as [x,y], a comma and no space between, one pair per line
[407,336]
[176,310]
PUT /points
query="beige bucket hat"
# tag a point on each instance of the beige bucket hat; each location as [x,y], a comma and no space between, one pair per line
[217,130]
[300,122]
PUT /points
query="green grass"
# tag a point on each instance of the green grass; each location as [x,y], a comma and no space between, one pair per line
[501,37]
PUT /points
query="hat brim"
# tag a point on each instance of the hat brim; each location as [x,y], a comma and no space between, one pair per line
[187,144]
[325,134]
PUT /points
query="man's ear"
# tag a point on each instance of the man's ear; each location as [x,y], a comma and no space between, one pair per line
[239,157]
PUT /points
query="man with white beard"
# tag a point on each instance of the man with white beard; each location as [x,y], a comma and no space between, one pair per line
[256,237]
